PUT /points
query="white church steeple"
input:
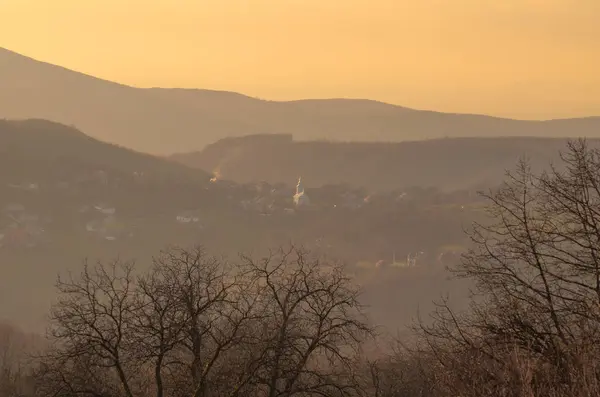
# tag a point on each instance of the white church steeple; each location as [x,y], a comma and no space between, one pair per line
[300,198]
[299,186]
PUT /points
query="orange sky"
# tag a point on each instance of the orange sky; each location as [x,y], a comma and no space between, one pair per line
[516,58]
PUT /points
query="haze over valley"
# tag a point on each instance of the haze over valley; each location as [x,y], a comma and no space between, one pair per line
[408,210]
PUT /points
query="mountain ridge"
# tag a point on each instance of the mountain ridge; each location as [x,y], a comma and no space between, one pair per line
[31,147]
[470,163]
[170,120]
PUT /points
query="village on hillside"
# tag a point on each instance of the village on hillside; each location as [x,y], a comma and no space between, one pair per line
[102,208]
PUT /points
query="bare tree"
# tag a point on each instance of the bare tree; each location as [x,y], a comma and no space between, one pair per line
[193,325]
[195,309]
[15,366]
[402,373]
[533,325]
[91,333]
[312,328]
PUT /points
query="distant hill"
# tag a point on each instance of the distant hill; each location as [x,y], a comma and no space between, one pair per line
[164,121]
[459,163]
[41,149]
[65,196]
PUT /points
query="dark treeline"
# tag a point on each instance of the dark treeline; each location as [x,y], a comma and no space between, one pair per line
[447,164]
[290,324]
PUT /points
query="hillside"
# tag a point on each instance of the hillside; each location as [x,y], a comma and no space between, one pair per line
[65,196]
[43,149]
[142,119]
[449,164]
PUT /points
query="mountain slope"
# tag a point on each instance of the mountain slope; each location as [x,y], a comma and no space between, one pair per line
[442,163]
[39,148]
[175,120]
[65,196]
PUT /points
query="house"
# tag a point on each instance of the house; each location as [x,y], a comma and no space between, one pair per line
[108,226]
[188,217]
[106,210]
[32,187]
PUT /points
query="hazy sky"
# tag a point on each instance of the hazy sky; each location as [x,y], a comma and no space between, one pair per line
[518,58]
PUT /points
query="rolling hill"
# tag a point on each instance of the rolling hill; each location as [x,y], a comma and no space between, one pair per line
[35,148]
[163,121]
[65,196]
[448,164]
